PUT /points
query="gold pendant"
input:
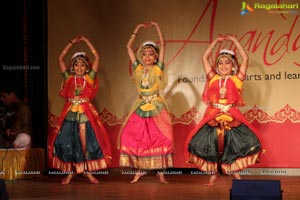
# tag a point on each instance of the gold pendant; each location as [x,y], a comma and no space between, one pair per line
[222,92]
[145,82]
[78,90]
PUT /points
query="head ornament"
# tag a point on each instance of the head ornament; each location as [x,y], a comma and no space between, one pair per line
[149,43]
[226,51]
[80,53]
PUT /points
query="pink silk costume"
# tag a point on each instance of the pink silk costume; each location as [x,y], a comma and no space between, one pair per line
[146,138]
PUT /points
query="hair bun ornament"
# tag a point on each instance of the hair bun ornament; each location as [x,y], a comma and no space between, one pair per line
[80,53]
[149,43]
[226,51]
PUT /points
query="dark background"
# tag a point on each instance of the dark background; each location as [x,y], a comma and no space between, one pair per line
[24,43]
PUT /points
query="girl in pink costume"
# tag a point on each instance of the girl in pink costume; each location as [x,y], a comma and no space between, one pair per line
[146,140]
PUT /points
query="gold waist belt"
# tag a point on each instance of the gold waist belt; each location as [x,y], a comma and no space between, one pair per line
[147,99]
[78,101]
[223,107]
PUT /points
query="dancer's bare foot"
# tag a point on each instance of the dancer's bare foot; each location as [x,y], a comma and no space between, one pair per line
[212,180]
[67,179]
[162,178]
[92,179]
[137,176]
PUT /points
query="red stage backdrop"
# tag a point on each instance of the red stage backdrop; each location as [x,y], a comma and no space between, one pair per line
[268,30]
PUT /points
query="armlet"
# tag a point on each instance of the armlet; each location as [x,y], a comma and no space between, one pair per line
[66,75]
[240,75]
[210,74]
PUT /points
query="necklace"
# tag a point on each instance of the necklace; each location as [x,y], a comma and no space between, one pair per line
[223,87]
[79,87]
[145,81]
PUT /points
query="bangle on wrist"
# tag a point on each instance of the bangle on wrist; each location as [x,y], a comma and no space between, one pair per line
[94,51]
[64,51]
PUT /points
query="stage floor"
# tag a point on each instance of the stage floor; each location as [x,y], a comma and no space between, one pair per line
[117,187]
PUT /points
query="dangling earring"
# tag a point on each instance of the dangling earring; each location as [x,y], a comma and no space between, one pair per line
[72,70]
[87,70]
[217,70]
[234,70]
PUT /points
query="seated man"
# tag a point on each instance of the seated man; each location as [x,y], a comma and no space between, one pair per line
[15,121]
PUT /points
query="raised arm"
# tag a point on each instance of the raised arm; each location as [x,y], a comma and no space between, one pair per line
[62,55]
[162,41]
[131,41]
[205,58]
[244,55]
[95,64]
